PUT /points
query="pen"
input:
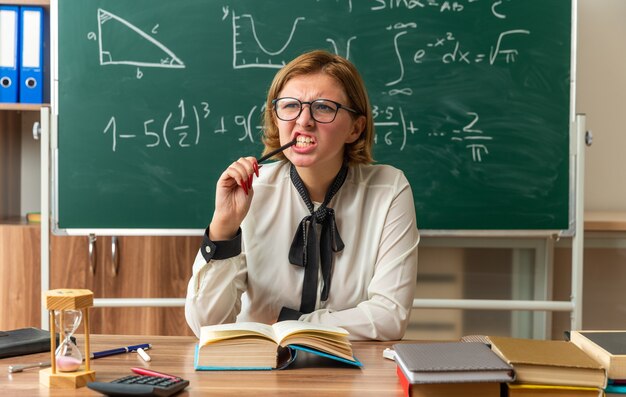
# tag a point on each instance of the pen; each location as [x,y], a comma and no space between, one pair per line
[149,372]
[275,152]
[20,367]
[120,350]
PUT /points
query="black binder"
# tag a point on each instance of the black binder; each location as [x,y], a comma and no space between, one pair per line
[22,341]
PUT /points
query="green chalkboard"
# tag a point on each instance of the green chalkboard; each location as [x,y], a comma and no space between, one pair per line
[156,97]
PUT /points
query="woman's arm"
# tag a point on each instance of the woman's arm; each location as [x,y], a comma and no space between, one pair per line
[219,270]
[214,291]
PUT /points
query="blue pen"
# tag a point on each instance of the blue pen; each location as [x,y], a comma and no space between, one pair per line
[104,353]
[120,350]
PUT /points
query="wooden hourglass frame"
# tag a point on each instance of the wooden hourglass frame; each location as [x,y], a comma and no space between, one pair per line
[61,300]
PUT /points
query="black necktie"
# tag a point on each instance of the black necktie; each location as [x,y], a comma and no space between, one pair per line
[303,251]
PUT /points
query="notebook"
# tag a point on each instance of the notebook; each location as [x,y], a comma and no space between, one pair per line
[549,362]
[22,341]
[451,362]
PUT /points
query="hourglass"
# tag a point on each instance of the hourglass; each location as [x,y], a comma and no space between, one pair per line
[67,309]
[67,355]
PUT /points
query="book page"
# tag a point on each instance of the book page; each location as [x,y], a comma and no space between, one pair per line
[336,349]
[215,333]
[284,329]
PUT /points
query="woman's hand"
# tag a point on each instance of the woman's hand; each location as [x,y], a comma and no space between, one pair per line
[233,195]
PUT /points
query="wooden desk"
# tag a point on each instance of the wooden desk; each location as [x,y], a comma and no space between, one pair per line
[174,355]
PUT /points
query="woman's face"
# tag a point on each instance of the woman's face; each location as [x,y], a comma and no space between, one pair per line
[319,144]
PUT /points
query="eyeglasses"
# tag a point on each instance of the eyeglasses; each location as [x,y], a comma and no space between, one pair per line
[322,110]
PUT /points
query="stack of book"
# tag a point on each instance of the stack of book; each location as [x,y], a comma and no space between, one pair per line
[463,369]
[609,349]
[591,364]
[549,368]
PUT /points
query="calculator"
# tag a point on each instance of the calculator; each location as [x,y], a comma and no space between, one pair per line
[140,385]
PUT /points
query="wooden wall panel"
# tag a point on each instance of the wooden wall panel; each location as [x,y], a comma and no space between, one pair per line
[20,275]
[10,152]
[149,267]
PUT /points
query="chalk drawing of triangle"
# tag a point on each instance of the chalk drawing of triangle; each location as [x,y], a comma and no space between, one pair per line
[122,43]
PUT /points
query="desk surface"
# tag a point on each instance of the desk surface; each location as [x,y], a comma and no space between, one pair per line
[174,355]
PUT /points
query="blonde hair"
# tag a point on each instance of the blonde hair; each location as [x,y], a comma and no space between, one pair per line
[346,74]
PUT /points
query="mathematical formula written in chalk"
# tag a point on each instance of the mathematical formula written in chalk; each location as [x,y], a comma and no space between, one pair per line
[188,125]
[409,43]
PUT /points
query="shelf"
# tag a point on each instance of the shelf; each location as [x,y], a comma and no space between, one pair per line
[29,107]
[44,3]
[17,221]
[605,221]
[34,107]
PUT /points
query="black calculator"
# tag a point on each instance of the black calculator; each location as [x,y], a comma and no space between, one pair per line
[140,385]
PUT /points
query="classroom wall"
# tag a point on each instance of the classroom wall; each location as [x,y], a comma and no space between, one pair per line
[601,94]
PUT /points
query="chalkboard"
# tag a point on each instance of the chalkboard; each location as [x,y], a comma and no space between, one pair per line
[156,97]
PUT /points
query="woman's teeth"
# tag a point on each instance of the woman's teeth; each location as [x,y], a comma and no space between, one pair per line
[303,141]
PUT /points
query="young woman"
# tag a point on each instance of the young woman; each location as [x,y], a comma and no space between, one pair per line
[321,235]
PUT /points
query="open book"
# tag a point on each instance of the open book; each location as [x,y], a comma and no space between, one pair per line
[259,346]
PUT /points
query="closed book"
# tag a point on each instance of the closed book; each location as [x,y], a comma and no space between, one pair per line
[451,362]
[476,389]
[549,362]
[606,347]
[615,388]
[33,217]
[22,341]
[256,346]
[530,390]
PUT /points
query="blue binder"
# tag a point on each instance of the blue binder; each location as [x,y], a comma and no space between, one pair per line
[31,60]
[9,54]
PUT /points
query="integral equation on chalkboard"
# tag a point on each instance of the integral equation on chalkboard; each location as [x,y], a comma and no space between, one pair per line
[194,123]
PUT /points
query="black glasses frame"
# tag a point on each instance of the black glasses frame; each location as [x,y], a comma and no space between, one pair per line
[302,103]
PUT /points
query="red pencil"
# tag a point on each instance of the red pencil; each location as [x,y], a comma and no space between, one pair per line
[149,372]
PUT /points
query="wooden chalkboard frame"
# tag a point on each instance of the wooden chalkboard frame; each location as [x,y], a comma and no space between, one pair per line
[572,198]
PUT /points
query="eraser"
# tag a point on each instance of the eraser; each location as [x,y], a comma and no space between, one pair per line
[142,353]
[389,354]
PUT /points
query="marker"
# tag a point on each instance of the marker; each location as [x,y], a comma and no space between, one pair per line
[142,353]
[275,152]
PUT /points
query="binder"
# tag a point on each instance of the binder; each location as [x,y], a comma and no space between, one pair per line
[9,54]
[17,342]
[31,59]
